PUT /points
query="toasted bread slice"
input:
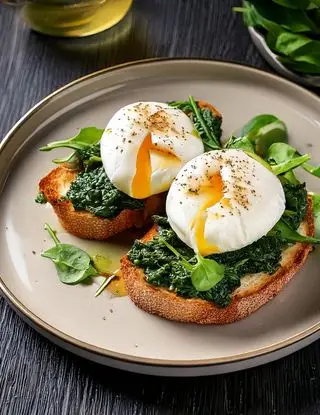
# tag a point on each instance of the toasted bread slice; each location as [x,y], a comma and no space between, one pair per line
[254,292]
[84,224]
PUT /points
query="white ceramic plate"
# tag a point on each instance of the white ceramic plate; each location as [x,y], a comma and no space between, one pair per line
[113,331]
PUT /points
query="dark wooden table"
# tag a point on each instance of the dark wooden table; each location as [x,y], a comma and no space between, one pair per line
[37,377]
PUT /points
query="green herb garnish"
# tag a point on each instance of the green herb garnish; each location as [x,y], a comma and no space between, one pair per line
[73,265]
[205,274]
[40,198]
[207,124]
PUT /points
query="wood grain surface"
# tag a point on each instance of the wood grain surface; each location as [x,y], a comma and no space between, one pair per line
[37,377]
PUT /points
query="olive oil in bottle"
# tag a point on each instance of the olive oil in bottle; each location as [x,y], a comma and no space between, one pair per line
[74,18]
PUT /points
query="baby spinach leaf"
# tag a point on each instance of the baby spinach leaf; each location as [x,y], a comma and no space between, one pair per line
[297,46]
[294,20]
[242,143]
[73,265]
[316,213]
[294,4]
[290,164]
[281,153]
[290,235]
[264,130]
[206,273]
[86,138]
[303,66]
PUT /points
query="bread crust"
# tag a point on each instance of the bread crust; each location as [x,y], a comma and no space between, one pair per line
[84,224]
[255,290]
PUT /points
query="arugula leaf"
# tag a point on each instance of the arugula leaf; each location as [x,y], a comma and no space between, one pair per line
[73,265]
[206,273]
[82,141]
[291,235]
[316,213]
[264,130]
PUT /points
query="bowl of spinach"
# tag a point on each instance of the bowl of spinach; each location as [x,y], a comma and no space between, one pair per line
[287,34]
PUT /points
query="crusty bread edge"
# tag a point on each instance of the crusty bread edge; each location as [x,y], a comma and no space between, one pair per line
[162,302]
[84,224]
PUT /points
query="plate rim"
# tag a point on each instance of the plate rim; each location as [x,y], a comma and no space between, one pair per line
[17,305]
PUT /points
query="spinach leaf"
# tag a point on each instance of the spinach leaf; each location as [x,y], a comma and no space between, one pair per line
[73,265]
[206,274]
[316,213]
[284,28]
[86,145]
[294,20]
[86,138]
[263,130]
[279,154]
[294,4]
[291,235]
[241,143]
[290,164]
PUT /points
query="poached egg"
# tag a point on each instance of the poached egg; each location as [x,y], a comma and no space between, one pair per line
[144,146]
[224,200]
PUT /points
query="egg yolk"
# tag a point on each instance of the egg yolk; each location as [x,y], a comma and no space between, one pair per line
[141,183]
[213,193]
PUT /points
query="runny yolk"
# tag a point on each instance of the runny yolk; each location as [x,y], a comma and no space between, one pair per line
[141,183]
[213,195]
